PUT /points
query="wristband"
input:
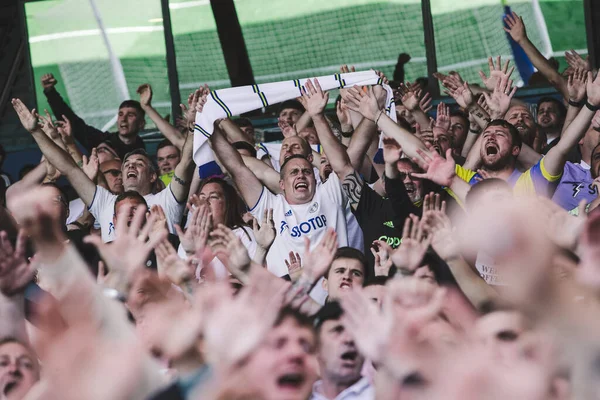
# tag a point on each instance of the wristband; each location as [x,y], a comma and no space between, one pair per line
[379,116]
[577,104]
[347,134]
[591,107]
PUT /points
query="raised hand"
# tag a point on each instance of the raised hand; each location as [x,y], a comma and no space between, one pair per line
[364,103]
[437,169]
[131,247]
[442,120]
[317,261]
[407,258]
[29,119]
[564,229]
[294,266]
[48,126]
[171,266]
[314,97]
[462,94]
[425,135]
[499,100]
[515,27]
[425,103]
[588,272]
[409,96]
[225,243]
[48,81]
[265,232]
[145,92]
[576,85]
[379,91]
[91,165]
[496,73]
[196,234]
[65,130]
[575,61]
[392,152]
[159,226]
[437,225]
[343,115]
[15,272]
[593,89]
[381,252]
[370,327]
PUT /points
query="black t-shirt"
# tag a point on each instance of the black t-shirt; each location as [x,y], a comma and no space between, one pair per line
[378,219]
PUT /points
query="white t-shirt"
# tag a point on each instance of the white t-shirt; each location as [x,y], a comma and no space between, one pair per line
[294,222]
[355,234]
[103,207]
[76,209]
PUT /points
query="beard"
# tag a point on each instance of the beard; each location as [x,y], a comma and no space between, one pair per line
[497,163]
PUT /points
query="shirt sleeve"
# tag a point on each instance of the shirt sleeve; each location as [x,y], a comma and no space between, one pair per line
[333,188]
[102,199]
[172,208]
[537,180]
[265,201]
[465,174]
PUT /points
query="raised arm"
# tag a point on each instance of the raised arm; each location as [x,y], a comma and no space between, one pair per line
[516,28]
[576,85]
[316,100]
[182,178]
[557,156]
[168,130]
[56,156]
[247,183]
[87,135]
[267,175]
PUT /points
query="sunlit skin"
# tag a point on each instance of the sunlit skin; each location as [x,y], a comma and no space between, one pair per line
[129,122]
[111,170]
[213,194]
[137,174]
[414,186]
[344,274]
[298,183]
[167,159]
[19,371]
[497,149]
[339,360]
[284,367]
[522,119]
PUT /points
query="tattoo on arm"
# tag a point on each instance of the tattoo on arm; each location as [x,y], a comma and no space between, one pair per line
[179,180]
[352,186]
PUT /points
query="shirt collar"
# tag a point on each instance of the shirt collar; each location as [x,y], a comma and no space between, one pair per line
[358,387]
[585,165]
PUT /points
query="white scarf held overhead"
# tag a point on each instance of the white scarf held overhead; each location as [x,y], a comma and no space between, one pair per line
[230,102]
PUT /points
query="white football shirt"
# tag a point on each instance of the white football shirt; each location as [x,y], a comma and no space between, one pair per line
[295,222]
[103,207]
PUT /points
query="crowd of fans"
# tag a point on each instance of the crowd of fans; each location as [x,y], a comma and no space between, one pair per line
[452,257]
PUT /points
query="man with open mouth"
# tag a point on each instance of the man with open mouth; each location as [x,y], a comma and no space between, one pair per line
[19,369]
[340,362]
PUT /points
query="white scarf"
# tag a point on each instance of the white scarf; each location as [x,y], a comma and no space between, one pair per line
[230,102]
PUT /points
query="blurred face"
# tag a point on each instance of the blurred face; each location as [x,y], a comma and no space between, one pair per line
[113,175]
[167,159]
[344,274]
[19,371]
[129,121]
[138,174]
[298,183]
[500,330]
[489,197]
[105,153]
[133,203]
[59,204]
[458,129]
[214,196]
[248,132]
[376,293]
[590,140]
[290,116]
[293,145]
[521,118]
[496,148]
[441,142]
[339,359]
[402,112]
[414,186]
[548,115]
[310,135]
[324,168]
[284,366]
[424,272]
